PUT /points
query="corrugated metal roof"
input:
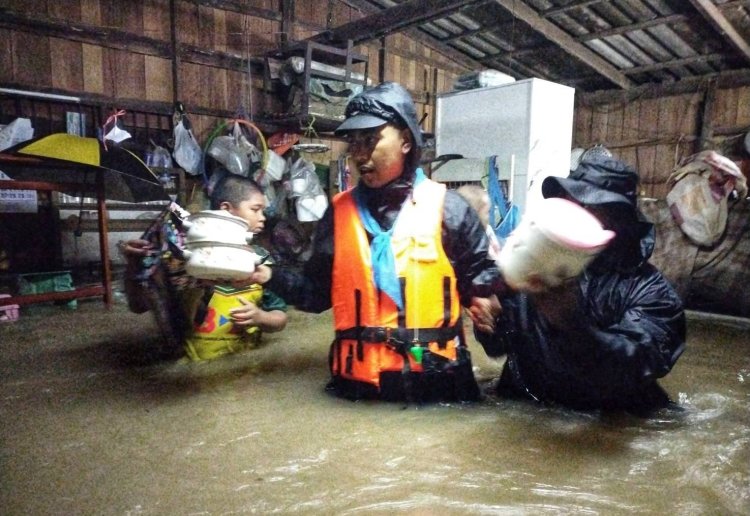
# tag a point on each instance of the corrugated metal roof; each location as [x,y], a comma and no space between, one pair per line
[592,45]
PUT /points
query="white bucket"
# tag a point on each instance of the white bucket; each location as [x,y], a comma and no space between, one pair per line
[554,242]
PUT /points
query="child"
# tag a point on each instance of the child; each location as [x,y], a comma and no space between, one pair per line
[209,319]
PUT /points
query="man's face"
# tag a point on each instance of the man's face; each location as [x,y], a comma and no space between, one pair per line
[378,154]
[250,210]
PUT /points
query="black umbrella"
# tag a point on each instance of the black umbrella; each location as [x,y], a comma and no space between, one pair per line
[126,177]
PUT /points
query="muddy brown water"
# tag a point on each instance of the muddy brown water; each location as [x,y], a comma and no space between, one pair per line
[93,423]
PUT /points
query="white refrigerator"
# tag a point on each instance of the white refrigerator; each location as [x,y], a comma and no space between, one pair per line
[527,124]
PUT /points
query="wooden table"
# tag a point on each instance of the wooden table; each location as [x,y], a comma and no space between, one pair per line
[105,288]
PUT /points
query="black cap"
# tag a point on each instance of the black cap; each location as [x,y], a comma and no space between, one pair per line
[597,180]
[388,102]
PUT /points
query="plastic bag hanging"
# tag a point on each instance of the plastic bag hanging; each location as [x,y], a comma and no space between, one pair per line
[225,150]
[311,200]
[113,128]
[187,153]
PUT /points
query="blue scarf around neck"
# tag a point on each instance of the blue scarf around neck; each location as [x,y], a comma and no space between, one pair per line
[383,261]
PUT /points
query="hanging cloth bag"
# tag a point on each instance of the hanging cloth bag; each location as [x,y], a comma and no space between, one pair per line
[698,195]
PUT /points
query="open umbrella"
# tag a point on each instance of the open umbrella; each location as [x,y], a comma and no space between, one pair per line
[126,177]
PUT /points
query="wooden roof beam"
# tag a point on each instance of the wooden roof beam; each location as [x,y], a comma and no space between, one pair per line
[625,29]
[460,59]
[719,22]
[685,61]
[565,8]
[387,21]
[565,41]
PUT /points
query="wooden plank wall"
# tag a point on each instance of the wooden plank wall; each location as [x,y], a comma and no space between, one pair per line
[123,52]
[654,134]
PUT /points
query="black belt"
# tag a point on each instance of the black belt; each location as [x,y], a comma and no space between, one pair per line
[405,335]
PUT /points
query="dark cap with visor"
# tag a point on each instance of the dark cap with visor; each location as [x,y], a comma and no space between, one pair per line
[388,102]
[596,180]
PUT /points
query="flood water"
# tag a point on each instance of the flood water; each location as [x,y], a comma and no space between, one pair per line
[92,423]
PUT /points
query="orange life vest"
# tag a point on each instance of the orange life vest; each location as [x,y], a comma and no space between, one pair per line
[372,334]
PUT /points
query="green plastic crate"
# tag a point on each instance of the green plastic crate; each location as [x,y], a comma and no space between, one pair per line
[42,282]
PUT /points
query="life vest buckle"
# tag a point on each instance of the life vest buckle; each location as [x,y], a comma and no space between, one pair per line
[394,339]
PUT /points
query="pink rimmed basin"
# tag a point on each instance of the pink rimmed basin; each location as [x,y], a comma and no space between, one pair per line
[552,243]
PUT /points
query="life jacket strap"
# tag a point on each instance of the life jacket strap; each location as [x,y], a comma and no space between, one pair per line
[398,335]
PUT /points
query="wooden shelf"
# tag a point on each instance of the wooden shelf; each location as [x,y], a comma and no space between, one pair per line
[114,225]
[89,206]
[68,295]
[299,117]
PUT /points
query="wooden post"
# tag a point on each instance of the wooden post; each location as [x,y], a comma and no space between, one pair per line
[381,59]
[287,23]
[101,211]
[706,122]
[175,51]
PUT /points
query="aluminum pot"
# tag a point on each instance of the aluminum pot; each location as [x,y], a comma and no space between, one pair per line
[218,226]
[219,261]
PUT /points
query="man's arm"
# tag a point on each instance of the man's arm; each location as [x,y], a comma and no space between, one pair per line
[309,290]
[134,251]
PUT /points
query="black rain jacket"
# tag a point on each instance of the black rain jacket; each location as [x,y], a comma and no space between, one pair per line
[463,236]
[629,330]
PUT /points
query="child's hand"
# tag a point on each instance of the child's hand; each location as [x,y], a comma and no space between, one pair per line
[246,315]
[261,275]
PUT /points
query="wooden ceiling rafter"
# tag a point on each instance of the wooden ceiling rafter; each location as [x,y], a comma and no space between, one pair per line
[381,23]
[554,11]
[461,60]
[685,61]
[727,79]
[724,27]
[239,7]
[641,25]
[566,42]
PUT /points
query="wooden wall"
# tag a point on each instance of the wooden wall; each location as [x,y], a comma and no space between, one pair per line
[654,134]
[121,52]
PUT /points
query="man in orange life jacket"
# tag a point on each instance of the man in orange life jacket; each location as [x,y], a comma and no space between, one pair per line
[396,257]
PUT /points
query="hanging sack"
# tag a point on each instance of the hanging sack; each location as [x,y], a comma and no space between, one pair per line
[698,195]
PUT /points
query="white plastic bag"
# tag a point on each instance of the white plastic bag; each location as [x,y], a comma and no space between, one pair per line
[187,153]
[304,179]
[19,130]
[311,199]
[225,150]
[117,134]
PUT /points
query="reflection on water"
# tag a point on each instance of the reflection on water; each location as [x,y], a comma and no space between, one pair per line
[94,424]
